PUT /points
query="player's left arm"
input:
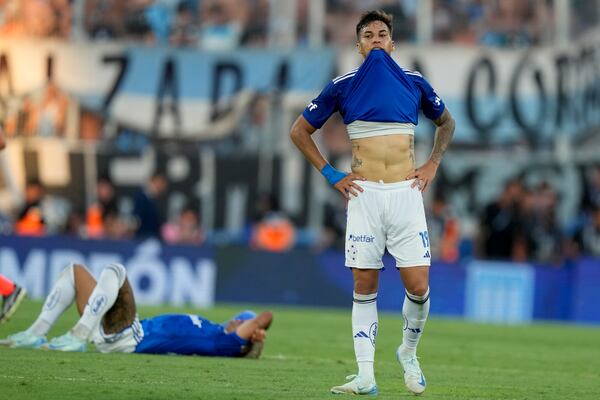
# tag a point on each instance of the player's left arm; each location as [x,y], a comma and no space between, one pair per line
[443,136]
[254,331]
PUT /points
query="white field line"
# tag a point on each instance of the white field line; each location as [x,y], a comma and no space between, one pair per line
[70,379]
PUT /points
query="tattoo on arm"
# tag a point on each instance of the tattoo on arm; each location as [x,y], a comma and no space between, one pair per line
[443,135]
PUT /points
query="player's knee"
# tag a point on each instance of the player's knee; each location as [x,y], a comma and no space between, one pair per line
[418,288]
[70,271]
[119,270]
[365,287]
[366,281]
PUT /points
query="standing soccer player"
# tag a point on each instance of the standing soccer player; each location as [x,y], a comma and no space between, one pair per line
[379,103]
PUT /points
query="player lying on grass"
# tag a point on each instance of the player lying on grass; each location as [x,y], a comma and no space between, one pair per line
[109,320]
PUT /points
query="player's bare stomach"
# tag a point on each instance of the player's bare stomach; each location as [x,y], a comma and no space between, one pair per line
[388,158]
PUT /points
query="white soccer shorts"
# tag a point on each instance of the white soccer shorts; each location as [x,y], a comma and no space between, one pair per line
[122,342]
[388,215]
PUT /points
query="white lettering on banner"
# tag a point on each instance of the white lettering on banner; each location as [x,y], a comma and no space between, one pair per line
[32,274]
[196,287]
[148,278]
[122,81]
[500,292]
[182,281]
[147,274]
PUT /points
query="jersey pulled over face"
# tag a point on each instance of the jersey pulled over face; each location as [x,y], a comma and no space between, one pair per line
[380,104]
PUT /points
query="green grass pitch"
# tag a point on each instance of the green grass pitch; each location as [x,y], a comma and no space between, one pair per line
[310,350]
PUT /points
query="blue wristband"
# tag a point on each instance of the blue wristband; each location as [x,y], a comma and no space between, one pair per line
[332,175]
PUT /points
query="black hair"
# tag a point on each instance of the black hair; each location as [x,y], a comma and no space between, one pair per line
[375,15]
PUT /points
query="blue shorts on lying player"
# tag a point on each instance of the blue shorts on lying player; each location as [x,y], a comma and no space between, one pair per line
[188,335]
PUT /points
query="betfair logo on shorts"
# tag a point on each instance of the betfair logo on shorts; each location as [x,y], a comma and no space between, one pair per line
[361,238]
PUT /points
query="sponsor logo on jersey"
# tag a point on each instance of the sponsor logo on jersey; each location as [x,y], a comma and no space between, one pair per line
[361,238]
[312,106]
[196,320]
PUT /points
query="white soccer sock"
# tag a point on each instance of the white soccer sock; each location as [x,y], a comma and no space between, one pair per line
[364,331]
[60,298]
[415,311]
[101,300]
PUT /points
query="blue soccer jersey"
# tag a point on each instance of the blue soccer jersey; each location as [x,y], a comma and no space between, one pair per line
[379,91]
[188,335]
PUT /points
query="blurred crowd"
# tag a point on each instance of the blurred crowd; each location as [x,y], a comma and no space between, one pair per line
[227,24]
[118,216]
[111,216]
[521,223]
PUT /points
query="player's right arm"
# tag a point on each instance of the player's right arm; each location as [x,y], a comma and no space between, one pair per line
[313,118]
[301,135]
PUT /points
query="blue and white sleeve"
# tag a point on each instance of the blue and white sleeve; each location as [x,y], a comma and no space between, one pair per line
[431,104]
[322,107]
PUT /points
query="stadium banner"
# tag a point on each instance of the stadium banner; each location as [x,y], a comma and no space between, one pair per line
[585,293]
[502,96]
[500,292]
[553,295]
[157,90]
[158,274]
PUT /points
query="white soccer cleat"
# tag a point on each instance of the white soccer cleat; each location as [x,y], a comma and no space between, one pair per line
[67,342]
[356,386]
[413,376]
[26,340]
